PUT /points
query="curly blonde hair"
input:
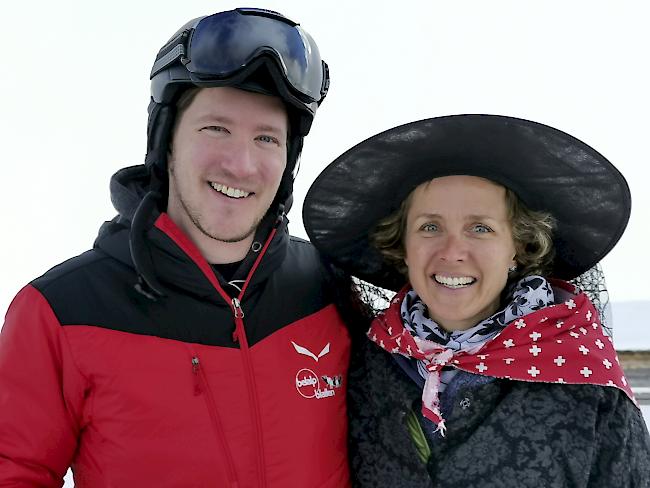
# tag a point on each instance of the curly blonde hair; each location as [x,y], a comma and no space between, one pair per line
[532,232]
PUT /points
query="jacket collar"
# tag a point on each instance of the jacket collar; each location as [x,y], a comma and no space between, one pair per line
[144,238]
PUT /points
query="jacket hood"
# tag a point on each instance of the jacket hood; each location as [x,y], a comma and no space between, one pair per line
[134,239]
[128,188]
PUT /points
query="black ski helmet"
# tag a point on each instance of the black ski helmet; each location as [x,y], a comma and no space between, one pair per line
[253,49]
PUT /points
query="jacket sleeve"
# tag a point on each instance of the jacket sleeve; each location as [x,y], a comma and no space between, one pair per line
[41,395]
[622,456]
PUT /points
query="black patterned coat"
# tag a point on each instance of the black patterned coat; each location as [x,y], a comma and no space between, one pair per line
[500,434]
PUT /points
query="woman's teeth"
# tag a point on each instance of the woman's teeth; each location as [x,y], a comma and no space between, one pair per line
[454,282]
[231,192]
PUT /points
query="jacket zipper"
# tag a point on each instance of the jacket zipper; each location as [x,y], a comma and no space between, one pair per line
[240,335]
[253,397]
[200,386]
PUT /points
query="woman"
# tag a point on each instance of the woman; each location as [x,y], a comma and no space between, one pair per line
[487,369]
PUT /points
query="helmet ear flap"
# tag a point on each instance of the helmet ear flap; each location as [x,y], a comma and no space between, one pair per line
[285,190]
[159,134]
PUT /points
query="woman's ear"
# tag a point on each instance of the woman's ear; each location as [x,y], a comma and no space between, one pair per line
[513,265]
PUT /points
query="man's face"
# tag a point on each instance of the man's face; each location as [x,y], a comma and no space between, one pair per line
[228,153]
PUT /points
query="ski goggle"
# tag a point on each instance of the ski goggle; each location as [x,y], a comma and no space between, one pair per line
[222,45]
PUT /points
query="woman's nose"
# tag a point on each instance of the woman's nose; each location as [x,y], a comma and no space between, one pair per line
[453,248]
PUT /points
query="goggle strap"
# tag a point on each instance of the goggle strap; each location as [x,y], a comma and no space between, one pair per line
[325,86]
[176,53]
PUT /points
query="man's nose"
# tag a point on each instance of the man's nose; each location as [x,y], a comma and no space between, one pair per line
[238,159]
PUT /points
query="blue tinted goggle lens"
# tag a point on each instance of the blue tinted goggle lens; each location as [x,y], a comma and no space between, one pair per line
[225,42]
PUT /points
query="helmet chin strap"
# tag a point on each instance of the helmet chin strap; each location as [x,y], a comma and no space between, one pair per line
[148,284]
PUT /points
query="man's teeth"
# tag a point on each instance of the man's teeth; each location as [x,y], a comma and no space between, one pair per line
[454,282]
[231,192]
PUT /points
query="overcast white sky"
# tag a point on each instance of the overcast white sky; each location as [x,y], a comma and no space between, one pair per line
[75,90]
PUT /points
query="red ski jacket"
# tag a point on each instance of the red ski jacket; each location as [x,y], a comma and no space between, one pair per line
[192,389]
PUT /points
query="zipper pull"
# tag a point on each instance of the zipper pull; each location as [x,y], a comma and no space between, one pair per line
[197,378]
[236,305]
[239,314]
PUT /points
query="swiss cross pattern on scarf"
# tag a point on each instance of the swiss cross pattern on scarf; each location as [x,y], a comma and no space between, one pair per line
[561,343]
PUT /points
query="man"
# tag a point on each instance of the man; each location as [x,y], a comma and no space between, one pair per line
[195,344]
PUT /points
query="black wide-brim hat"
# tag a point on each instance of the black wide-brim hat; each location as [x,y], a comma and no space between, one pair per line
[548,170]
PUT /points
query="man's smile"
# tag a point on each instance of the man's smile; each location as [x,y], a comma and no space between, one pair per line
[229,191]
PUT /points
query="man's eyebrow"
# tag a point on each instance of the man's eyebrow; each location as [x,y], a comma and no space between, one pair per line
[270,128]
[215,118]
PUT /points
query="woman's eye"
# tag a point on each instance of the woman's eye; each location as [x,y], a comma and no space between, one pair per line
[429,227]
[481,228]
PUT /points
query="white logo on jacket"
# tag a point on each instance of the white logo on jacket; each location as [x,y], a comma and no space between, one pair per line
[308,382]
[307,352]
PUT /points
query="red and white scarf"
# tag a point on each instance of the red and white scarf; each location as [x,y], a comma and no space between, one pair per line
[561,343]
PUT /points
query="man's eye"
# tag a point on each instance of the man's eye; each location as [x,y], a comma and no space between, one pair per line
[214,128]
[270,139]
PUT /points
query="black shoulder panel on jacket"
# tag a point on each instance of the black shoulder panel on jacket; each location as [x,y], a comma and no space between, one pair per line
[97,290]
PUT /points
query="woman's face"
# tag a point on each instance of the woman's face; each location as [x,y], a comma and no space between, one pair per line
[459,247]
